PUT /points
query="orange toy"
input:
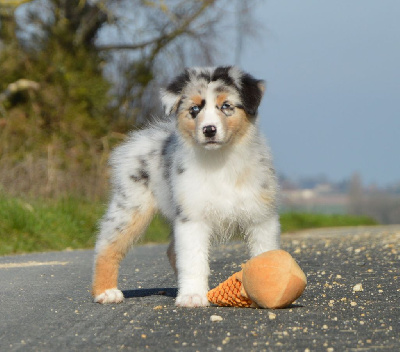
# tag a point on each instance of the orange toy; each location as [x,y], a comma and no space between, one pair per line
[273,279]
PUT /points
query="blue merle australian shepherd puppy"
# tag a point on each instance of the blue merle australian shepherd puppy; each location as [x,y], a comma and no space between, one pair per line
[206,168]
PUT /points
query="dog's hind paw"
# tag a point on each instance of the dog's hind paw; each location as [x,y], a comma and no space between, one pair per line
[193,300]
[113,295]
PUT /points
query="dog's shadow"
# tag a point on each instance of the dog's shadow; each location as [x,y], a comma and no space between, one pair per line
[145,292]
[170,292]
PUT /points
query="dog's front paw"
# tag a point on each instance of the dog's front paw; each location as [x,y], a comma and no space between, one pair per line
[192,300]
[113,295]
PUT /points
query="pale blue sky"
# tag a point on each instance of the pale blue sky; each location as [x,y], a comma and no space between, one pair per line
[332,68]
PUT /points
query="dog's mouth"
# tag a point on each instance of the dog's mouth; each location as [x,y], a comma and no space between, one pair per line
[212,144]
[213,141]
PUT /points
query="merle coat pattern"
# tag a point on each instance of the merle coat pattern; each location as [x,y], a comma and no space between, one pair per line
[205,167]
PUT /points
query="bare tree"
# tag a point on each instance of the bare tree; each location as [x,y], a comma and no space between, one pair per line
[142,41]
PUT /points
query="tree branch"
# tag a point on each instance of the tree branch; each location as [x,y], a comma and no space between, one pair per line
[13,3]
[127,46]
[163,39]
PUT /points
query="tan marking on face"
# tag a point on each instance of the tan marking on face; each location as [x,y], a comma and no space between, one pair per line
[187,126]
[107,261]
[237,124]
[221,98]
[197,99]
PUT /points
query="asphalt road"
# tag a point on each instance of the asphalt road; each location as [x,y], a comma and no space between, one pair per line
[45,304]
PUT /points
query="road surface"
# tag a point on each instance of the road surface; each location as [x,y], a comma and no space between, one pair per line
[45,302]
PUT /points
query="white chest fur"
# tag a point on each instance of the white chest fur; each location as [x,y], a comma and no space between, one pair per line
[224,189]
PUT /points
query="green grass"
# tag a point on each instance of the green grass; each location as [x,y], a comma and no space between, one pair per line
[43,225]
[298,221]
[38,225]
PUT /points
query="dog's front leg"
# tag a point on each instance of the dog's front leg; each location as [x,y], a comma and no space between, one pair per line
[264,236]
[191,247]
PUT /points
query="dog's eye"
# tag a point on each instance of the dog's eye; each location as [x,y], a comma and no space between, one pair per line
[226,106]
[194,110]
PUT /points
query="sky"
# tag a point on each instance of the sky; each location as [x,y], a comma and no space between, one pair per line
[332,105]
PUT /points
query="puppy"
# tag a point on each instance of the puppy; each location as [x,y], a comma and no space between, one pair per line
[205,168]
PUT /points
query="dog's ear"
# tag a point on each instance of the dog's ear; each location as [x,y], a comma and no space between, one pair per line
[251,93]
[170,101]
[171,95]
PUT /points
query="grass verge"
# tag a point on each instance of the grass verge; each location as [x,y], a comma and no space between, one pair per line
[43,225]
[37,225]
[298,221]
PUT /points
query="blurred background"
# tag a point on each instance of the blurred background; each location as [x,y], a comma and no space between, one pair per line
[77,75]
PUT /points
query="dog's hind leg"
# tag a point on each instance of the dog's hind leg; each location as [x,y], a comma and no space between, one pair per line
[120,228]
[171,253]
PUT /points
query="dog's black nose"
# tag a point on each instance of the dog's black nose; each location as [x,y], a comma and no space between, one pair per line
[209,131]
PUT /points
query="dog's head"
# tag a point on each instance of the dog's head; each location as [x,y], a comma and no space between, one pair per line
[213,106]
